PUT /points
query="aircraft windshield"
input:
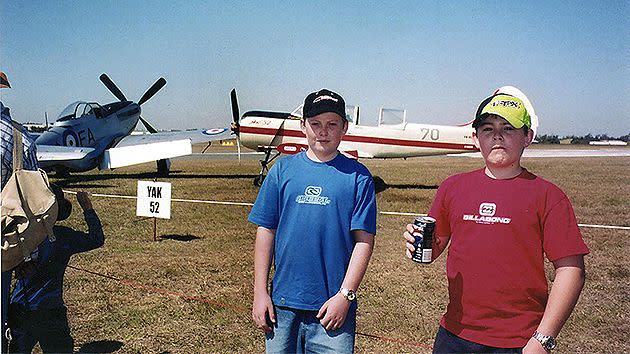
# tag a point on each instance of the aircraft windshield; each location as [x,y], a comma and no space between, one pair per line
[77,109]
[68,112]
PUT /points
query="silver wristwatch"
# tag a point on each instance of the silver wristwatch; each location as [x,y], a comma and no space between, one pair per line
[350,295]
[547,342]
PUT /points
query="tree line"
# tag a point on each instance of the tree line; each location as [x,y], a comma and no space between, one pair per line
[585,139]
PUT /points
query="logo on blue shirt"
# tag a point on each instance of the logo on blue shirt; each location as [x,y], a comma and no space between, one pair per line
[312,195]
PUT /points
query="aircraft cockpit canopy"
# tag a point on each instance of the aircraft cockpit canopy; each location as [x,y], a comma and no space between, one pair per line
[80,108]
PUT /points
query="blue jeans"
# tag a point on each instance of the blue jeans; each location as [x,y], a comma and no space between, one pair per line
[299,331]
[447,342]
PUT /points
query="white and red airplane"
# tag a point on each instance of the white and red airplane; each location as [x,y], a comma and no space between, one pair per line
[278,132]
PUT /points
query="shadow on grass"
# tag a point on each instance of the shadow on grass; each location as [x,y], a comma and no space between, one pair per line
[183,238]
[79,180]
[380,185]
[101,346]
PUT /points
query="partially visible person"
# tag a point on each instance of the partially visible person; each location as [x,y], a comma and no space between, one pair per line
[30,152]
[29,162]
[499,223]
[37,310]
[316,217]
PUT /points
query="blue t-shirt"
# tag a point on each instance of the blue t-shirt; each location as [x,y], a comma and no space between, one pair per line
[313,207]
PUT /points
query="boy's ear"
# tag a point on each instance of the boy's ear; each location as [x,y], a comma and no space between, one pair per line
[303,125]
[530,137]
[475,140]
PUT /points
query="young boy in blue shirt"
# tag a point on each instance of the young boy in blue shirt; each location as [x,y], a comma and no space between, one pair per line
[316,217]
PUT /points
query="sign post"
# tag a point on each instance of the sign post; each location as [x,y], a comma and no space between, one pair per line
[154,200]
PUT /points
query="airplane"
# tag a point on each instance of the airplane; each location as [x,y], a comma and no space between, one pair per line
[275,133]
[87,135]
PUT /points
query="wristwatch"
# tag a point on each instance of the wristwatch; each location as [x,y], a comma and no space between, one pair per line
[547,342]
[350,295]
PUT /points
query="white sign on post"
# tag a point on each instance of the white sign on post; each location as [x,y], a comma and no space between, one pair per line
[154,199]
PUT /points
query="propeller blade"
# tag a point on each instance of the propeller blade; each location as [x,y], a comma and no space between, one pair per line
[111,86]
[235,113]
[235,123]
[148,126]
[152,90]
[238,147]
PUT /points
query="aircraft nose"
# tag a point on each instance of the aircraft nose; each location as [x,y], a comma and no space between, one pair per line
[50,137]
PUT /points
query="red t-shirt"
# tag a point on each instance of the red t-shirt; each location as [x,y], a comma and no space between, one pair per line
[500,231]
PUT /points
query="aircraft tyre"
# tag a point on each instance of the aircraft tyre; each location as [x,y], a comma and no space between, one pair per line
[163,167]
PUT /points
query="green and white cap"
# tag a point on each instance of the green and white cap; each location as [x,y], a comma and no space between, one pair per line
[505,106]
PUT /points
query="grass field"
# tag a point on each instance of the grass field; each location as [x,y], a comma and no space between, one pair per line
[191,291]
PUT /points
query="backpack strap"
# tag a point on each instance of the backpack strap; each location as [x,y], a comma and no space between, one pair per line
[17,147]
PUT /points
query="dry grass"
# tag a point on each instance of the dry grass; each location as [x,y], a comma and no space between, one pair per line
[204,259]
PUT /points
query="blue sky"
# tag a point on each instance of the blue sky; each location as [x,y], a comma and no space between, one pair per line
[437,59]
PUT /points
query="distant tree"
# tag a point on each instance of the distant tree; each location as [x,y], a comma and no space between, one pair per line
[603,137]
[548,139]
[582,140]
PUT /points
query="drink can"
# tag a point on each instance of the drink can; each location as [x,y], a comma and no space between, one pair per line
[424,243]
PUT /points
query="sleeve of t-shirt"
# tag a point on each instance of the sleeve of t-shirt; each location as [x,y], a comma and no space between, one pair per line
[439,211]
[364,214]
[266,209]
[561,234]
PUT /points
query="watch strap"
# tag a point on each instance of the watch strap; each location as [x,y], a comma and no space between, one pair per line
[547,342]
[348,294]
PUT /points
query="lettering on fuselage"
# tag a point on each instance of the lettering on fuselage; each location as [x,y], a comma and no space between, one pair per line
[154,192]
[86,134]
[84,137]
[261,121]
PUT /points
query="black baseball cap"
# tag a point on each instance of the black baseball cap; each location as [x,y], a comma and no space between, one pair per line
[323,101]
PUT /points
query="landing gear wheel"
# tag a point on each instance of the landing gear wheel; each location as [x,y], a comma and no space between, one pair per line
[163,167]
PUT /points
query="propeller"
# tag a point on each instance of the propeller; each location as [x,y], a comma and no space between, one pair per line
[149,127]
[152,90]
[112,87]
[236,126]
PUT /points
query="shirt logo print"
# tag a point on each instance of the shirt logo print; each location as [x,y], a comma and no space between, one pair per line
[486,215]
[312,195]
[487,209]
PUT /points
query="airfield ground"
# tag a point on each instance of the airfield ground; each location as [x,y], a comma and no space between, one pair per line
[191,291]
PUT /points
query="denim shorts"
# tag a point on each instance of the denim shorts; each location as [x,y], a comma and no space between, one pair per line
[299,331]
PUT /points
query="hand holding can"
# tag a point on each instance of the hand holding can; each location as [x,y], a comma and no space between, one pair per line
[423,243]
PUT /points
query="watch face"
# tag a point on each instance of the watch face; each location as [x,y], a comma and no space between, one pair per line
[550,344]
[351,295]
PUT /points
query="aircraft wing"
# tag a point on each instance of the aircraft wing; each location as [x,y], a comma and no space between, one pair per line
[61,153]
[136,149]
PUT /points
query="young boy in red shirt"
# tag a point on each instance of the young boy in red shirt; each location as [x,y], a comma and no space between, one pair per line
[501,221]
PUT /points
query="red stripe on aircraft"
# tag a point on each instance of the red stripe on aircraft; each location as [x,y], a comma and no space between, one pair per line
[361,139]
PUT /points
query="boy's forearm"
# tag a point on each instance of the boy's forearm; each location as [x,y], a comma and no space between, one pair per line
[263,254]
[364,244]
[95,228]
[565,291]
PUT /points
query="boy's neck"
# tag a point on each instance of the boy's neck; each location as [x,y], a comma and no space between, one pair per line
[313,156]
[503,173]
